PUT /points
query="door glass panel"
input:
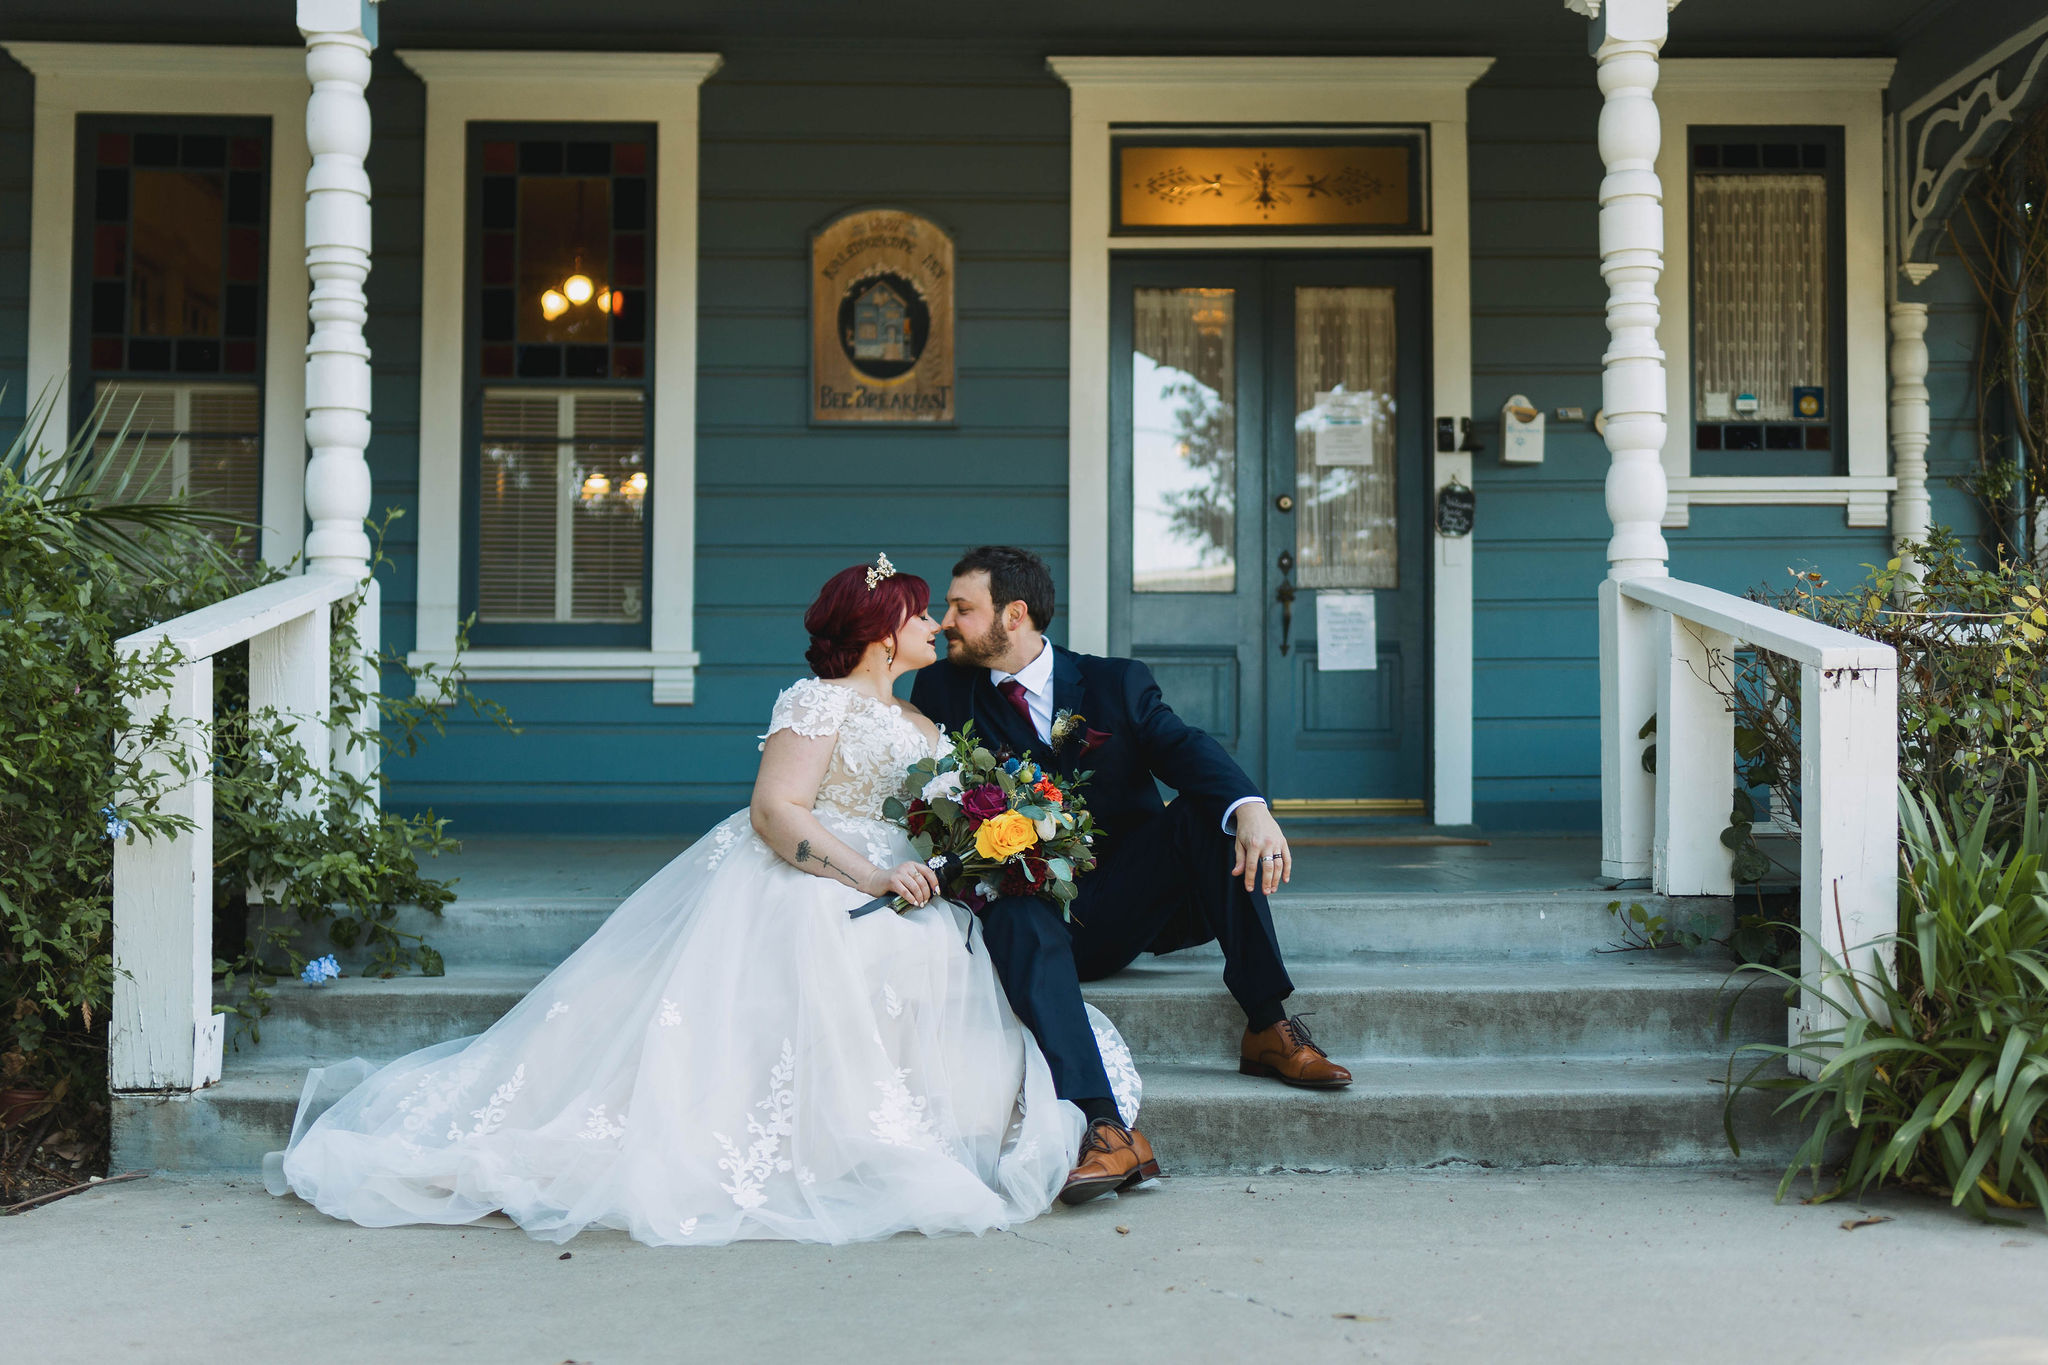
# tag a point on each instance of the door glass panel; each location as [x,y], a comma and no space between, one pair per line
[1184,441]
[1345,457]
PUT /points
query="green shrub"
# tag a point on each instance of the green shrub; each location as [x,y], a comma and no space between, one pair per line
[1939,1077]
[81,566]
[1973,694]
[63,698]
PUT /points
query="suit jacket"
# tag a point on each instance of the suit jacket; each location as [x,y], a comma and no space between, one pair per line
[1145,740]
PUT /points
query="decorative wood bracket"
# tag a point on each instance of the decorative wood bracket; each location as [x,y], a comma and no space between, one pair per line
[1943,136]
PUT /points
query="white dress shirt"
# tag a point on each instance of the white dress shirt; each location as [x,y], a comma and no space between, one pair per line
[1036,678]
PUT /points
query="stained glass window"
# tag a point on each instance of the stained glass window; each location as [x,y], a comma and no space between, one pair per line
[561,215]
[563,229]
[172,257]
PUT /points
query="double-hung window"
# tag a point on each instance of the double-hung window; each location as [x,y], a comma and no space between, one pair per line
[1768,354]
[169,266]
[559,410]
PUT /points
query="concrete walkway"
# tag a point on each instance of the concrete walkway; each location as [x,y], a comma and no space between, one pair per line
[1578,1266]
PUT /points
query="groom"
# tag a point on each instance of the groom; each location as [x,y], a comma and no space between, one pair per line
[1168,875]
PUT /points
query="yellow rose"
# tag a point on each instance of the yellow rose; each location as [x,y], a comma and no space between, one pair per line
[1005,836]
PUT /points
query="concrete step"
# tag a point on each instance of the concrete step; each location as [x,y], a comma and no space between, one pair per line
[1358,925]
[1530,1111]
[1175,1009]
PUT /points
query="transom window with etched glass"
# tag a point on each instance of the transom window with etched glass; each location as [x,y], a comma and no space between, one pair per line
[172,248]
[1767,299]
[562,219]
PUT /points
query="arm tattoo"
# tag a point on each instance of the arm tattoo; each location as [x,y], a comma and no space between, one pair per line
[804,855]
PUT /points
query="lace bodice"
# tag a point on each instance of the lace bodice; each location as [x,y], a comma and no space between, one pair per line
[877,741]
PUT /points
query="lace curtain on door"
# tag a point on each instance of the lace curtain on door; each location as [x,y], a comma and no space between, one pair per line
[1346,524]
[1760,319]
[1184,441]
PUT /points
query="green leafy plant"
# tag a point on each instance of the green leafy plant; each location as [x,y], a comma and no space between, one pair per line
[84,561]
[1938,1079]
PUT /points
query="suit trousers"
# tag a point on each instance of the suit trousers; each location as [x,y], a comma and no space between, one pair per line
[1179,857]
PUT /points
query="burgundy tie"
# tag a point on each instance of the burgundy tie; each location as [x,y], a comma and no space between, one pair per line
[1013,692]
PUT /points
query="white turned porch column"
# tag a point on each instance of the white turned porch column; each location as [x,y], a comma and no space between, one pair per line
[340,35]
[1911,424]
[1626,38]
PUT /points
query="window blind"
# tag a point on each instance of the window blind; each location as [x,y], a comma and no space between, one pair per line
[210,434]
[563,485]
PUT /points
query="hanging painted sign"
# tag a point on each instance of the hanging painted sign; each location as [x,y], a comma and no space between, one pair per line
[881,319]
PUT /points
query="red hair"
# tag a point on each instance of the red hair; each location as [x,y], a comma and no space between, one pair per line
[849,616]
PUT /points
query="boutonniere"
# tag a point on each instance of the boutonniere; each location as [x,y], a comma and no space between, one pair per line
[1066,724]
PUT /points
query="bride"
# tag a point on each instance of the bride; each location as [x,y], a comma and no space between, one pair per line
[731,1056]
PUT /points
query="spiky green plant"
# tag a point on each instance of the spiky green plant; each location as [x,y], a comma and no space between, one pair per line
[1939,1077]
[94,486]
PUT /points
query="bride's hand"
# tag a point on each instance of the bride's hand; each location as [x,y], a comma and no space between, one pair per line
[915,882]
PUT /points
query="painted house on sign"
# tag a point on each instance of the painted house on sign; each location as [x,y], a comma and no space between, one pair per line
[559,317]
[881,325]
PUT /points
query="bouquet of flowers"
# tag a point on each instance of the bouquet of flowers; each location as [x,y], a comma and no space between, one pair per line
[994,825]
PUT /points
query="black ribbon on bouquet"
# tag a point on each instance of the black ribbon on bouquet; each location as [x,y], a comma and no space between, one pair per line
[946,865]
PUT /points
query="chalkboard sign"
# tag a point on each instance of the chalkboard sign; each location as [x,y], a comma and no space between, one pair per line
[1455,505]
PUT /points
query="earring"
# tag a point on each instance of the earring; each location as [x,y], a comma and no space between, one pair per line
[888,652]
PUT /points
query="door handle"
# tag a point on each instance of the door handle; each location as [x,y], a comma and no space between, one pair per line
[1284,595]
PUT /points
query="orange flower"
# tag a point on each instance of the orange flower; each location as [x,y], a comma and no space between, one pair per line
[1046,789]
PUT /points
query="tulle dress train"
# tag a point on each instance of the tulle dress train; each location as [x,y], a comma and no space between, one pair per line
[730,1056]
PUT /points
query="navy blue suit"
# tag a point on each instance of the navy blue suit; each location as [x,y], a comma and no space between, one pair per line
[1162,880]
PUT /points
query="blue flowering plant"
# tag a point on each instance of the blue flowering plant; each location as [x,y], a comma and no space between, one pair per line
[320,969]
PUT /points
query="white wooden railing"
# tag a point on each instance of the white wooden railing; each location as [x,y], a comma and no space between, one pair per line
[1667,650]
[164,1035]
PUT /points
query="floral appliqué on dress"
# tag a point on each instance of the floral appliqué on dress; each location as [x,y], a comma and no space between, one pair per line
[763,1157]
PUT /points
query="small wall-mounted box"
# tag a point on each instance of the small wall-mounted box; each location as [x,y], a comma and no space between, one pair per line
[1521,432]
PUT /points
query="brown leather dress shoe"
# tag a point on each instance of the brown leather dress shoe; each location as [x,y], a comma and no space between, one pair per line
[1287,1053]
[1112,1158]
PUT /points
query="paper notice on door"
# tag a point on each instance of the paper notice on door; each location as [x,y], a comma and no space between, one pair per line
[1347,632]
[1344,428]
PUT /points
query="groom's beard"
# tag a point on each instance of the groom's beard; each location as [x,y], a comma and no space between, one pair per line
[978,653]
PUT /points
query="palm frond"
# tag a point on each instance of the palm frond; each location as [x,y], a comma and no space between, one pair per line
[89,481]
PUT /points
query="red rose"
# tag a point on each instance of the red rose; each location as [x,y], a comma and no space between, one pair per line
[917,816]
[984,802]
[1025,876]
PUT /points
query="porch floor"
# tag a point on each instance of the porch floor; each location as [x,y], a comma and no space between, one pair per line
[497,867]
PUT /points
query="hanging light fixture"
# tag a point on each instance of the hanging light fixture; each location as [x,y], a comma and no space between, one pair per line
[579,288]
[553,304]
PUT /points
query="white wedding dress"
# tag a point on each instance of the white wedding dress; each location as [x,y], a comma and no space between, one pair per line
[730,1056]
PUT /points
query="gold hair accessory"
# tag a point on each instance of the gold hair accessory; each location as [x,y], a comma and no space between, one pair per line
[883,569]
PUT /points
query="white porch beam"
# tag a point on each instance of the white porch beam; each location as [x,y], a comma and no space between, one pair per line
[340,35]
[1911,425]
[1626,37]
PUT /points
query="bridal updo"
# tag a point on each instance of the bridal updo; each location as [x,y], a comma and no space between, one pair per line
[849,616]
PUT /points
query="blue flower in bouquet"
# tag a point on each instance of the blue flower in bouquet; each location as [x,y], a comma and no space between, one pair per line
[1011,766]
[320,969]
[117,828]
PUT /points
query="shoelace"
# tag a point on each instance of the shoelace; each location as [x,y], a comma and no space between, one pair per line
[1094,1140]
[1298,1032]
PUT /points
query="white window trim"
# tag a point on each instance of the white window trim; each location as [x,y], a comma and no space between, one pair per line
[1169,91]
[209,82]
[547,87]
[1843,92]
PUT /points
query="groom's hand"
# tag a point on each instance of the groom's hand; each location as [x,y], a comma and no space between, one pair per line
[1263,858]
